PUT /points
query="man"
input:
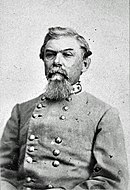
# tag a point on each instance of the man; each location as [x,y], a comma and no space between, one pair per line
[65,138]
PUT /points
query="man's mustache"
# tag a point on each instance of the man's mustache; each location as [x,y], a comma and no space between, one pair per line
[58,70]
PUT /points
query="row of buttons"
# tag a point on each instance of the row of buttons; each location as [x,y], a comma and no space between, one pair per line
[40,105]
[62,117]
[58,140]
[55,163]
[31,148]
[56,152]
[29,159]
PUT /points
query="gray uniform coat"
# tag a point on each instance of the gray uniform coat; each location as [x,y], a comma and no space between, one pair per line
[76,144]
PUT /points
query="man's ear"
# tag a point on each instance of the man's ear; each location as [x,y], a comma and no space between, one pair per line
[86,63]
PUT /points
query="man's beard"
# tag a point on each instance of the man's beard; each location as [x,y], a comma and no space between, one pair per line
[58,87]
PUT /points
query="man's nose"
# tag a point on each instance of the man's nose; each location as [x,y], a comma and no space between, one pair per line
[58,60]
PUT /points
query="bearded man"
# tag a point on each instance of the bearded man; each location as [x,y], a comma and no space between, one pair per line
[65,138]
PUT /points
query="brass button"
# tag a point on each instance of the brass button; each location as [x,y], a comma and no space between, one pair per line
[32,137]
[58,140]
[56,163]
[28,179]
[49,186]
[34,115]
[31,149]
[39,106]
[69,99]
[29,160]
[56,152]
[65,108]
[62,117]
[43,98]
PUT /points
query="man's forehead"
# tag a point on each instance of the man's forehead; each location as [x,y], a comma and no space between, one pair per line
[63,43]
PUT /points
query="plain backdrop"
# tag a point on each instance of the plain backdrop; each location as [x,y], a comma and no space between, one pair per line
[104,24]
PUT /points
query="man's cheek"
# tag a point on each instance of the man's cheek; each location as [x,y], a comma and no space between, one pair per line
[46,69]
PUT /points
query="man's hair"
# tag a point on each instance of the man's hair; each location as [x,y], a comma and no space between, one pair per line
[56,32]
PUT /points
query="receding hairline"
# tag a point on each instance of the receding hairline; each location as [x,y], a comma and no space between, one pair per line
[57,32]
[64,37]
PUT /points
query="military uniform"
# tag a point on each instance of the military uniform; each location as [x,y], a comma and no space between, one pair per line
[75,143]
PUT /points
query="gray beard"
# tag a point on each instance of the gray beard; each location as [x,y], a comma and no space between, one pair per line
[58,89]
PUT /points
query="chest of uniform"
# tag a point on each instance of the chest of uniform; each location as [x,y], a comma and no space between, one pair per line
[66,118]
[58,135]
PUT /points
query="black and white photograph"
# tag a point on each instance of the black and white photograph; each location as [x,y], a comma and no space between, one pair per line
[64,77]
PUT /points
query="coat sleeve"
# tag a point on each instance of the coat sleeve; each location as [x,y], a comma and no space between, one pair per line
[110,169]
[9,152]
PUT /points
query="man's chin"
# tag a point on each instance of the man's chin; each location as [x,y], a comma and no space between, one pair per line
[58,88]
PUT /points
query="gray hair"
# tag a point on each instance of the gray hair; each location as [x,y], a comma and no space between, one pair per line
[56,32]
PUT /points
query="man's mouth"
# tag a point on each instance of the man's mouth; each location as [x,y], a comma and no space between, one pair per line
[53,74]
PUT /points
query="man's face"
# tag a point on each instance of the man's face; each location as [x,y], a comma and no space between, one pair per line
[64,53]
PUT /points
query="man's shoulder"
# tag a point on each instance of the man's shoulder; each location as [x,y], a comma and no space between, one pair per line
[94,102]
[29,103]
[96,106]
[90,98]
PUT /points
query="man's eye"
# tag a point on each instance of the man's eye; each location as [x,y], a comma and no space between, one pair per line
[66,54]
[50,55]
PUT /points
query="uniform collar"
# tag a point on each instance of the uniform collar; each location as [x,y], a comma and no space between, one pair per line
[76,88]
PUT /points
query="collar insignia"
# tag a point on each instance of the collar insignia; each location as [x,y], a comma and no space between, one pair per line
[76,88]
